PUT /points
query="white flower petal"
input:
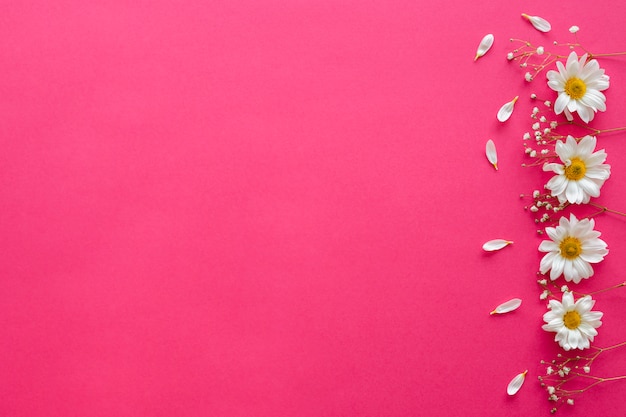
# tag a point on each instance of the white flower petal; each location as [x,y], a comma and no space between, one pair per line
[484,46]
[516,383]
[506,110]
[508,306]
[492,155]
[496,244]
[539,23]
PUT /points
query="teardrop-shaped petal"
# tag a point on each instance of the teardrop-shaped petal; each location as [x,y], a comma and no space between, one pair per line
[496,244]
[516,383]
[541,24]
[492,155]
[507,110]
[484,46]
[508,306]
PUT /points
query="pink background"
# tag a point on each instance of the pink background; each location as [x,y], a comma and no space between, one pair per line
[276,208]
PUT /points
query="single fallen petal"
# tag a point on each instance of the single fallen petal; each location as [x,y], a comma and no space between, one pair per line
[516,383]
[505,111]
[541,24]
[484,46]
[492,155]
[507,307]
[496,244]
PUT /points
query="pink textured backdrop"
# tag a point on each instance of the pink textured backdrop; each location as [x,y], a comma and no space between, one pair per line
[276,208]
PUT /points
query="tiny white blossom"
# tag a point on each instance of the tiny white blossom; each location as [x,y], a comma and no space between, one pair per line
[574,29]
[551,389]
[540,50]
[570,401]
[587,369]
[528,77]
[510,56]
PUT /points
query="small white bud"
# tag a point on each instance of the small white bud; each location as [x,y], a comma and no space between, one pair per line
[548,103]
[528,77]
[570,401]
[587,369]
[510,56]
[526,136]
[574,29]
[540,50]
[533,96]
[564,288]
[533,154]
[534,209]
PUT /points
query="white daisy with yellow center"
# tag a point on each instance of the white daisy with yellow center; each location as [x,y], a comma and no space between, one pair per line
[579,84]
[572,250]
[574,322]
[581,173]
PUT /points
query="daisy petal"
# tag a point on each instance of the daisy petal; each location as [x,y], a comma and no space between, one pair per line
[492,155]
[541,24]
[484,46]
[508,306]
[506,110]
[516,383]
[496,244]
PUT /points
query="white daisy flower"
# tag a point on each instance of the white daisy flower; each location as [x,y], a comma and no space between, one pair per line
[579,84]
[572,250]
[574,322]
[582,172]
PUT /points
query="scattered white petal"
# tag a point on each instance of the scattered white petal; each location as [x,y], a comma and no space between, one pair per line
[574,29]
[492,155]
[541,24]
[496,244]
[484,46]
[505,111]
[508,306]
[516,383]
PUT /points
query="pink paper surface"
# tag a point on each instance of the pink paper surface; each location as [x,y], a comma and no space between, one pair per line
[276,208]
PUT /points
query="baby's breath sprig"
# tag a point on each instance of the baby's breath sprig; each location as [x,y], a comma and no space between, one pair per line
[536,58]
[550,289]
[567,377]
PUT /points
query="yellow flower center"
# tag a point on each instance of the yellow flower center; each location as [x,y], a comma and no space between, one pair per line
[571,319]
[570,248]
[576,169]
[575,88]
